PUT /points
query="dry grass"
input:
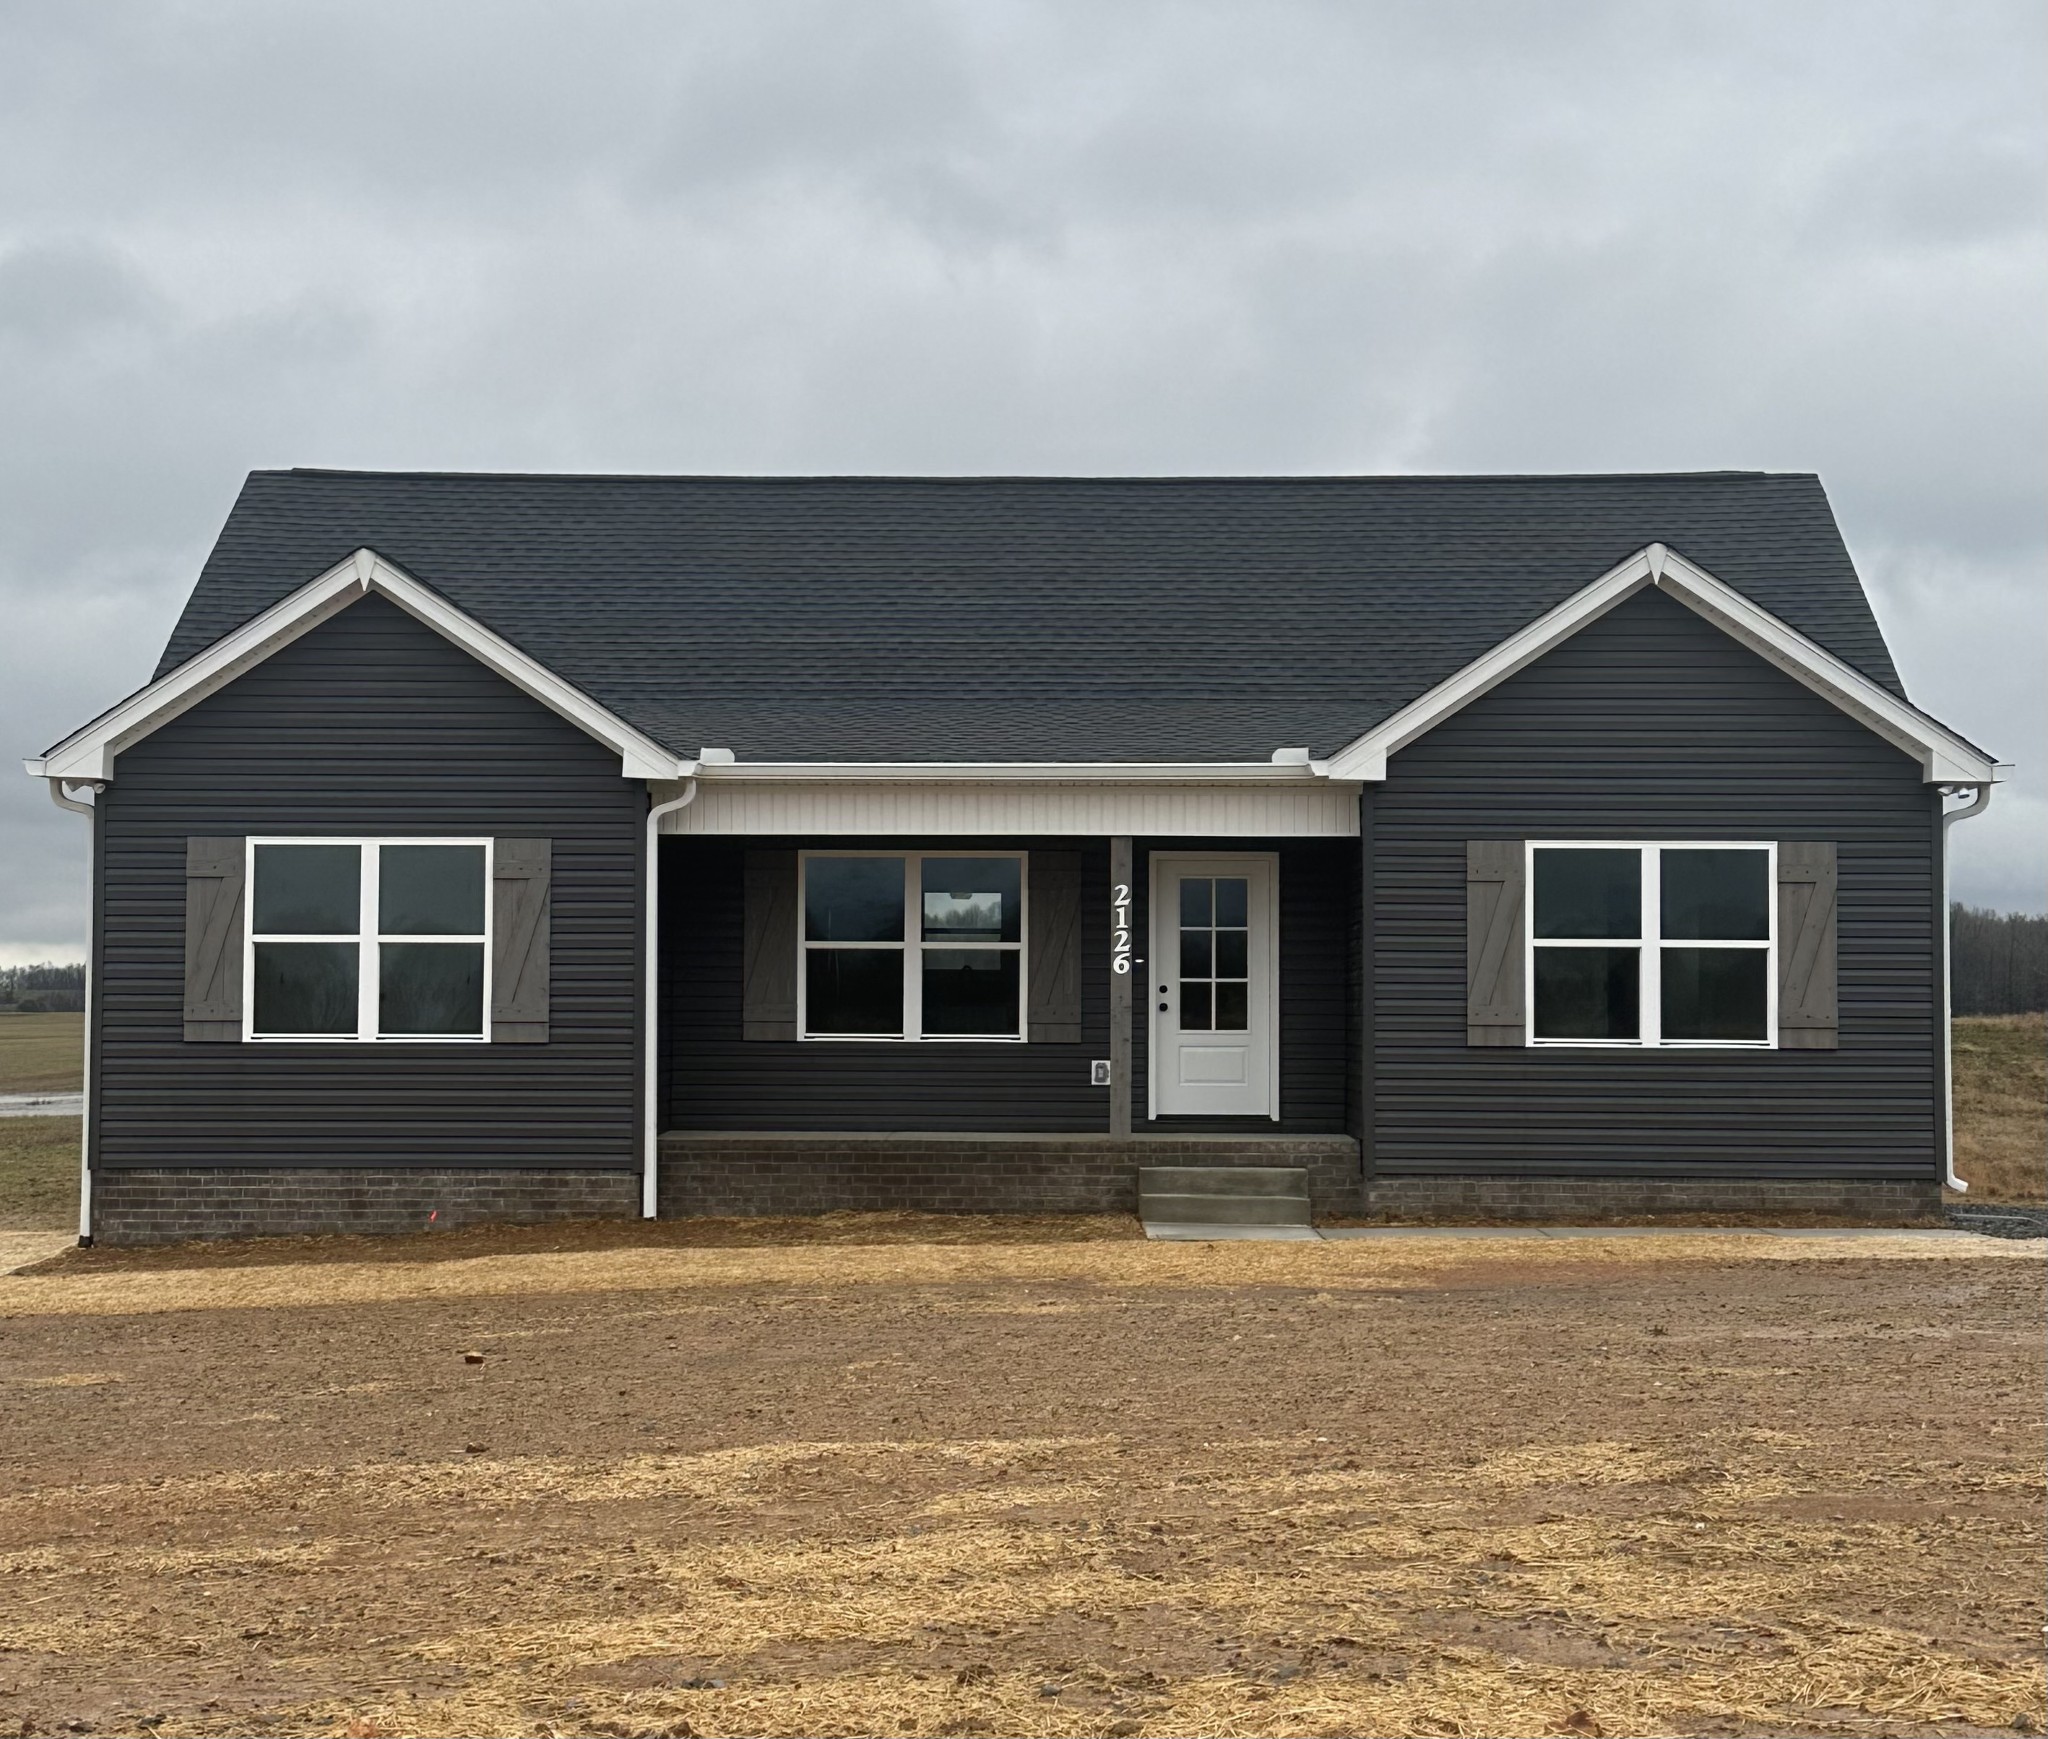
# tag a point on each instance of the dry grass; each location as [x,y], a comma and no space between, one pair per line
[38,1171]
[42,1053]
[95,1283]
[2002,1107]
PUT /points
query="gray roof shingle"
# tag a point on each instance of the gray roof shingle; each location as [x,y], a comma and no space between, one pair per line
[1022,619]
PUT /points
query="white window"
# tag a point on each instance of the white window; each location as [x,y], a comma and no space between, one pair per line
[911,945]
[368,939]
[1642,945]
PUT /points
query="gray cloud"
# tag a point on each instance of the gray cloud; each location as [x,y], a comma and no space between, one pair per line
[1436,235]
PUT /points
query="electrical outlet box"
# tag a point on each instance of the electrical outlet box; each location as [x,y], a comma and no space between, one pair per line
[1098,1074]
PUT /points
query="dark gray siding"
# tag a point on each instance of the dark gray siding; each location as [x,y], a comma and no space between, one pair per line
[1318,910]
[1652,724]
[714,1079]
[370,724]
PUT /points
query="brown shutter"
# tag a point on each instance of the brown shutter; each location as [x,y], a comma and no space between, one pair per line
[1495,898]
[522,877]
[768,994]
[1809,1015]
[1053,916]
[214,876]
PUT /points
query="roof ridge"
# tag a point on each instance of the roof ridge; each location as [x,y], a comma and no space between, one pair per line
[1118,479]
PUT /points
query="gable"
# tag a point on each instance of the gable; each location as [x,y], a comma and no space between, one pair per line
[1944,757]
[369,701]
[88,755]
[1651,684]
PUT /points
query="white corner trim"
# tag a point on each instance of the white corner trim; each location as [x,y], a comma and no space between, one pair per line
[1944,757]
[89,753]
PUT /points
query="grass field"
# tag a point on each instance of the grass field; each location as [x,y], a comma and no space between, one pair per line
[2002,1107]
[1726,1486]
[42,1053]
[2001,1114]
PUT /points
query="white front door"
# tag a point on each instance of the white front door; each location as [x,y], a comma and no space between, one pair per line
[1215,982]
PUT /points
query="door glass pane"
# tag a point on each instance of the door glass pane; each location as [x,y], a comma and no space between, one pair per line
[1717,896]
[853,899]
[973,899]
[431,987]
[1194,1008]
[1196,956]
[305,987]
[430,890]
[971,992]
[1588,993]
[1233,1008]
[1233,900]
[1195,905]
[854,990]
[308,890]
[1233,954]
[1715,993]
[1589,893]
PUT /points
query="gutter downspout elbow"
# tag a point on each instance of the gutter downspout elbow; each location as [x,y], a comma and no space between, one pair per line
[1949,817]
[650,1133]
[59,797]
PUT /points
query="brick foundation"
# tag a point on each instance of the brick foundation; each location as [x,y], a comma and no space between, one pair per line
[970,1174]
[167,1206]
[1574,1200]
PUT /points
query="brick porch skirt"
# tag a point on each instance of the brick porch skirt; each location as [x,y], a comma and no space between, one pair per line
[1570,1200]
[745,1173]
[169,1205]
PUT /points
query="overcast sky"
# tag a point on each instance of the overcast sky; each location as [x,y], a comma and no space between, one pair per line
[1257,237]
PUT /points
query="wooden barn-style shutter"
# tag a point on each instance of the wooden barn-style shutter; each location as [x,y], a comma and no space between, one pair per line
[214,876]
[768,994]
[1809,1012]
[1053,914]
[522,875]
[1495,921]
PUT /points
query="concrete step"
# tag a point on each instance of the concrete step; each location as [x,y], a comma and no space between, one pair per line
[1182,1209]
[1223,1180]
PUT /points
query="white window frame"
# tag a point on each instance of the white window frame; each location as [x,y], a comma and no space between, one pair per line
[368,939]
[912,948]
[1650,945]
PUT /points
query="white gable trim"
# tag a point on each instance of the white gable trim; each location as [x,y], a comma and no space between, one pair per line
[1944,757]
[88,755]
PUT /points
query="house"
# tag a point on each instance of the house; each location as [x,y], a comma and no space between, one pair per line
[528,846]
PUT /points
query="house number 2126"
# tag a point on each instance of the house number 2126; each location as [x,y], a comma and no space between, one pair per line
[1120,928]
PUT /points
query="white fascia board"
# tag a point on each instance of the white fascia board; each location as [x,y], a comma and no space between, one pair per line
[1944,757]
[1004,772]
[89,754]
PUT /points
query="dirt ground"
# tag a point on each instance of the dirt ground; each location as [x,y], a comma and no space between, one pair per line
[1654,1486]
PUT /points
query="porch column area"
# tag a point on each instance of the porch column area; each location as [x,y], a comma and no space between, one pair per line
[1123,910]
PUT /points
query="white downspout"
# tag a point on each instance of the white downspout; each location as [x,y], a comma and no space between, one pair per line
[85,1119]
[1949,817]
[650,1135]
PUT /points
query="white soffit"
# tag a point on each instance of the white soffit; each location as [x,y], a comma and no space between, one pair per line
[1014,806]
[88,755]
[1944,757]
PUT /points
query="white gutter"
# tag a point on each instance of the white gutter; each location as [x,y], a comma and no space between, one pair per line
[650,1133]
[1949,817]
[1037,772]
[85,1120]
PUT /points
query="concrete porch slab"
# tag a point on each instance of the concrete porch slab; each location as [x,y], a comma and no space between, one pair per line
[1173,1234]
